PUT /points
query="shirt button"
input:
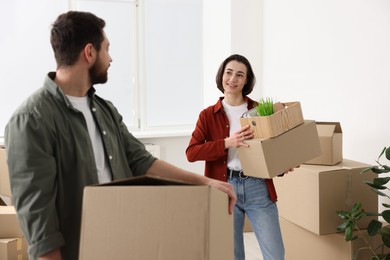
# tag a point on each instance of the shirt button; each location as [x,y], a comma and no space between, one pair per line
[94,109]
[104,132]
[110,157]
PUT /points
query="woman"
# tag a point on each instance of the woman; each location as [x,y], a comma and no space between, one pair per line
[215,140]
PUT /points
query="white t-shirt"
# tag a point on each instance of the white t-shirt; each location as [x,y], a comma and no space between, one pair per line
[234,113]
[103,171]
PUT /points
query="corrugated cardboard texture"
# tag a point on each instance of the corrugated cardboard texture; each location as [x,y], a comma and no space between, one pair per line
[311,195]
[302,244]
[277,123]
[331,140]
[155,222]
[9,224]
[4,175]
[268,158]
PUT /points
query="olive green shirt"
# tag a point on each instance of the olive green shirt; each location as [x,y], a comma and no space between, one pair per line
[51,160]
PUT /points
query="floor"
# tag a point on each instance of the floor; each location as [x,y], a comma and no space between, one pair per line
[252,250]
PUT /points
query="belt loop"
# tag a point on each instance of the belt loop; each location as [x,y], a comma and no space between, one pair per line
[229,173]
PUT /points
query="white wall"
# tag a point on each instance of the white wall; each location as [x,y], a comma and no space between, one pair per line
[26,54]
[334,57]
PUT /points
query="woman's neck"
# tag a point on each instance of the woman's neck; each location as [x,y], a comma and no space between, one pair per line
[234,100]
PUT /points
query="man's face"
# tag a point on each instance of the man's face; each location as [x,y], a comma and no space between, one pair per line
[98,72]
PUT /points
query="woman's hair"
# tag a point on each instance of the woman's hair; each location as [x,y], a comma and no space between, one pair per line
[250,76]
[71,32]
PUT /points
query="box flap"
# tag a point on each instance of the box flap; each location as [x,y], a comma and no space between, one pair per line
[327,127]
[144,181]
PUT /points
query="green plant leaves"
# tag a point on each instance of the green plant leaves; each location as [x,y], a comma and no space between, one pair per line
[381,181]
[386,215]
[373,227]
[387,153]
[375,186]
[379,169]
[379,193]
[265,107]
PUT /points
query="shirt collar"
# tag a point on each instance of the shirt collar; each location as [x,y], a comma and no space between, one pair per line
[57,92]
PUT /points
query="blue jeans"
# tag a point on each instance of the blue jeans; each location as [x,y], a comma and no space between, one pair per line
[253,199]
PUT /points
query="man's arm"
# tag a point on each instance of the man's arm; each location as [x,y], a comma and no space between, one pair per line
[164,169]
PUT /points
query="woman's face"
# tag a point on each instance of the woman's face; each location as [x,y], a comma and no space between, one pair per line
[234,77]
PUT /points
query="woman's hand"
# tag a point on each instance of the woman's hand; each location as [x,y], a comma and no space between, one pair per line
[237,139]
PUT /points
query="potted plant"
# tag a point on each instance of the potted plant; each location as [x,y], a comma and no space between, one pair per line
[375,227]
[265,107]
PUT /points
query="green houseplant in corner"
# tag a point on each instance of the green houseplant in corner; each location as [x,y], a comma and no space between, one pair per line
[375,228]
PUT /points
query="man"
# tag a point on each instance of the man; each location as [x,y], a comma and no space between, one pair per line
[65,137]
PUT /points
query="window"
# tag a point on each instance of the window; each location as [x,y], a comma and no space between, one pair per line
[155,79]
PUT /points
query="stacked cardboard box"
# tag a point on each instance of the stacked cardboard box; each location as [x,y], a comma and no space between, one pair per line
[5,190]
[287,116]
[309,197]
[300,244]
[281,141]
[331,141]
[319,191]
[268,158]
[12,243]
[155,218]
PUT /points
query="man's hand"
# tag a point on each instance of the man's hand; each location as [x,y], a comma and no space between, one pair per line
[228,189]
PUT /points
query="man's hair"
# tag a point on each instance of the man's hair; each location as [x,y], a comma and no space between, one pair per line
[250,76]
[71,32]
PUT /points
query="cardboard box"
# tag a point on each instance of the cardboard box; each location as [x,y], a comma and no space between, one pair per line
[9,224]
[8,249]
[267,158]
[310,195]
[302,244]
[331,140]
[4,175]
[155,218]
[289,116]
[13,249]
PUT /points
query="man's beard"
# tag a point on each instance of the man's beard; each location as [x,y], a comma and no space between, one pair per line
[96,74]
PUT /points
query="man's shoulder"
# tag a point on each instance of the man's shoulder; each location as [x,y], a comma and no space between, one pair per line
[40,99]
